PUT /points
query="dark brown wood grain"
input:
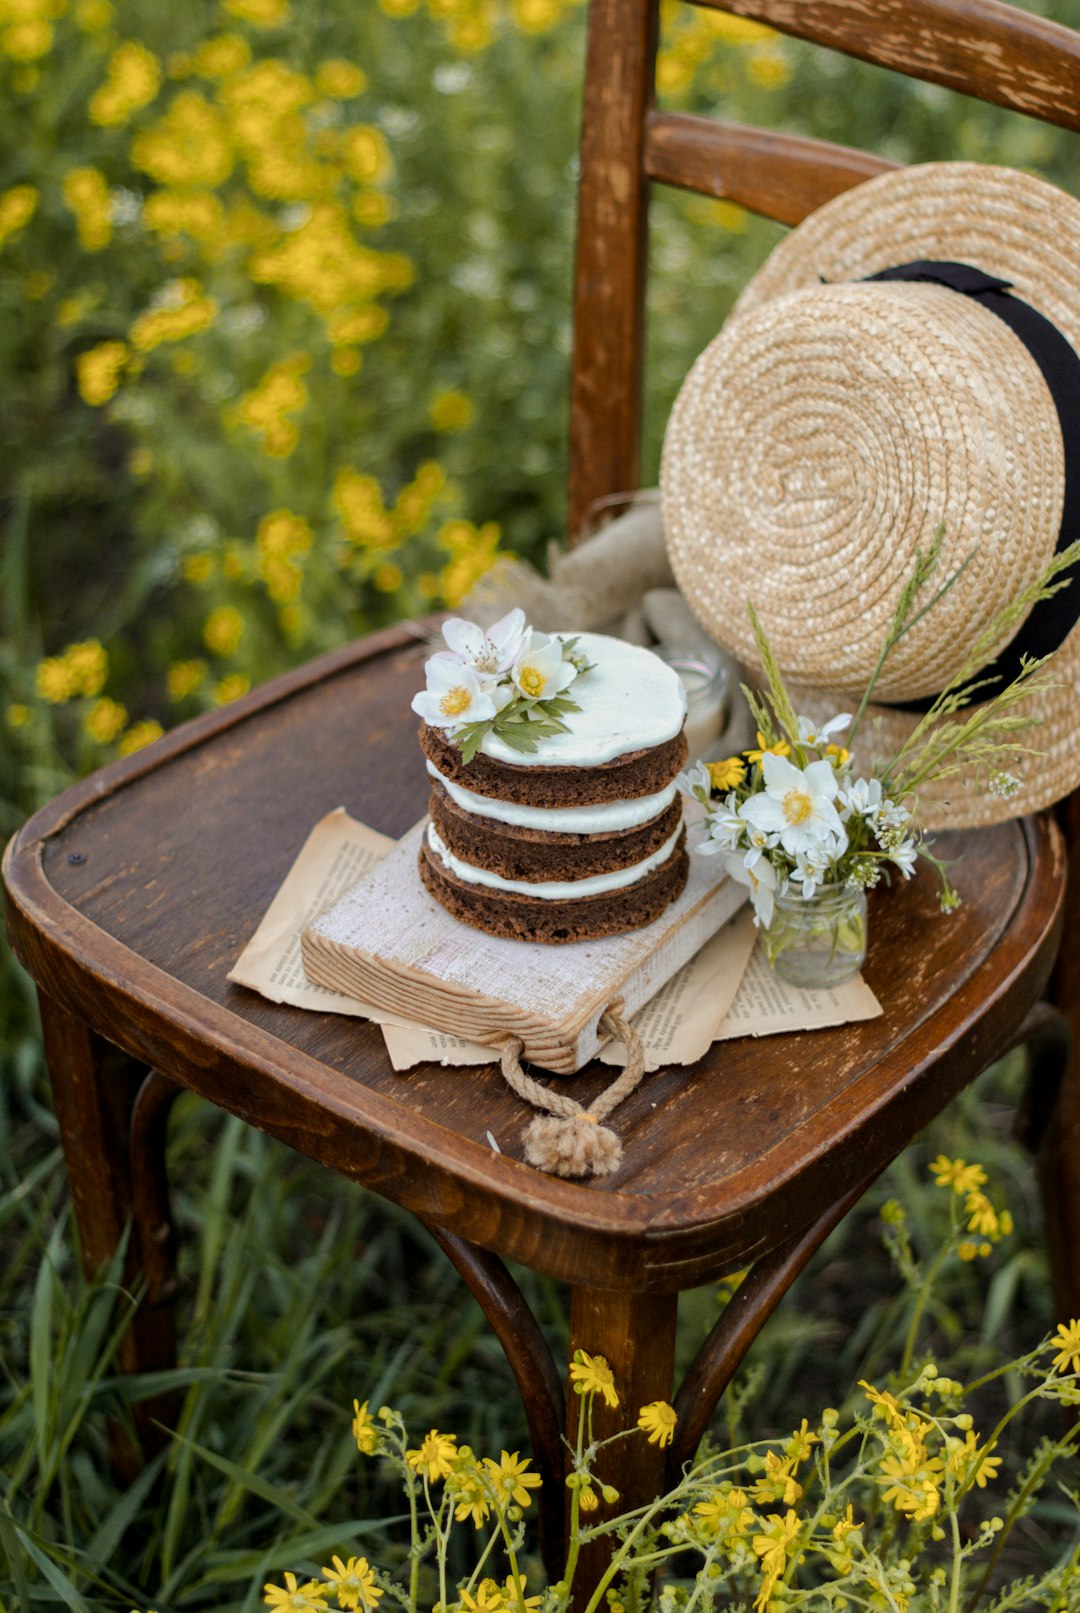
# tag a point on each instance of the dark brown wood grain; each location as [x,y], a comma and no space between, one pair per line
[996,52]
[783,176]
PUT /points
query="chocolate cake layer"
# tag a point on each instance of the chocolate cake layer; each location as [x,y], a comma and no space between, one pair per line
[527,918]
[641,772]
[535,854]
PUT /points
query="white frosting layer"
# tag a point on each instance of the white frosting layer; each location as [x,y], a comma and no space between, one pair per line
[608,817]
[631,700]
[550,890]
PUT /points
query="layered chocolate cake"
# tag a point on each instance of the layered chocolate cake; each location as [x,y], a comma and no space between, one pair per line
[564,823]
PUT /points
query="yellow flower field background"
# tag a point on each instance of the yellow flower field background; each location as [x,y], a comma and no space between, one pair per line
[286,289]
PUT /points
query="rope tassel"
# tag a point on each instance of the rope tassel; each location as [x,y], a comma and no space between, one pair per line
[570,1140]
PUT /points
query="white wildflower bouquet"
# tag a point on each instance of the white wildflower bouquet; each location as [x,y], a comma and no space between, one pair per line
[792,818]
[510,680]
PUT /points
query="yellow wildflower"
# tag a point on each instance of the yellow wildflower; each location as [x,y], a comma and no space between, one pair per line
[957,1174]
[88,665]
[510,1480]
[365,324]
[221,56]
[197,213]
[87,195]
[104,720]
[133,78]
[473,552]
[515,1590]
[17,207]
[838,755]
[536,16]
[769,68]
[844,1526]
[884,1402]
[366,154]
[801,1443]
[358,501]
[53,680]
[279,393]
[263,13]
[428,585]
[98,371]
[781,748]
[1067,1340]
[94,16]
[178,312]
[982,1217]
[388,578]
[488,1598]
[364,1430]
[591,1375]
[451,411]
[296,1598]
[778,1482]
[282,533]
[772,1546]
[471,1499]
[341,80]
[434,1455]
[197,568]
[588,1500]
[139,735]
[971,1251]
[190,145]
[26,38]
[730,216]
[373,208]
[726,1514]
[354,1583]
[657,1420]
[231,688]
[726,775]
[223,630]
[184,677]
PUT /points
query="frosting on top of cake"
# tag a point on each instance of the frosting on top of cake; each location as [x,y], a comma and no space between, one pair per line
[551,890]
[606,817]
[630,700]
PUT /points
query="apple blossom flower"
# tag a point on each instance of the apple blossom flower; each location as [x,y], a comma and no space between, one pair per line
[455,695]
[492,652]
[539,670]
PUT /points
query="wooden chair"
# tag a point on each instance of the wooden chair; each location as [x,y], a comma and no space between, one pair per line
[130,896]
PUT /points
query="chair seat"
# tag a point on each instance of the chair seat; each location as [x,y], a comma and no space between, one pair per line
[131,896]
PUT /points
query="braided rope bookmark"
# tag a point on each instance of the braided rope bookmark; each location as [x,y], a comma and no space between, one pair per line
[569,1140]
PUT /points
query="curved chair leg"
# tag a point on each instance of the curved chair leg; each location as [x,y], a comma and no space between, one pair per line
[95,1087]
[530,1360]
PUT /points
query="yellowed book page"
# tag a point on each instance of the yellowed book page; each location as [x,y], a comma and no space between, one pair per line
[334,856]
[679,1025]
[416,1044]
[765,1005]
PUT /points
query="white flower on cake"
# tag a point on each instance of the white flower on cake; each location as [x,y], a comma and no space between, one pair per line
[492,652]
[455,695]
[539,671]
[796,802]
[509,681]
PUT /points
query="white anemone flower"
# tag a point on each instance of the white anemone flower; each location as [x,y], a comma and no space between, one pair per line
[759,843]
[761,882]
[796,803]
[455,695]
[905,856]
[492,652]
[863,798]
[726,828]
[812,869]
[811,734]
[539,670]
[696,783]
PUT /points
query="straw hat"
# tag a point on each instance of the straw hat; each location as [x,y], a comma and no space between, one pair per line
[837,421]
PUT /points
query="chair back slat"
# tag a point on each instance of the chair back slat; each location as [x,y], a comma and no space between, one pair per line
[993,51]
[783,176]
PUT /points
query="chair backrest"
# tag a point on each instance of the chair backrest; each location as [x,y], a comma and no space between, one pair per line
[995,52]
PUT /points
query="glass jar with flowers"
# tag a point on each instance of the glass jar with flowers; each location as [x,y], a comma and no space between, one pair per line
[808,836]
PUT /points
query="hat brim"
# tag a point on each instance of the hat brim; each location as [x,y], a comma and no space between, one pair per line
[1027,232]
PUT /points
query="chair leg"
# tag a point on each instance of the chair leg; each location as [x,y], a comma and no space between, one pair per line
[95,1089]
[635,1333]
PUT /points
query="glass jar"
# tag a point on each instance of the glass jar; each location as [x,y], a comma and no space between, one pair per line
[703,677]
[817,941]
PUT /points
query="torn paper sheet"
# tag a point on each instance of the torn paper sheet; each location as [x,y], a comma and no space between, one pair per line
[333,857]
[765,1005]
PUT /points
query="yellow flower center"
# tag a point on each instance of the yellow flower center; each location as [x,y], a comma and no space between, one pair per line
[797,806]
[532,680]
[455,701]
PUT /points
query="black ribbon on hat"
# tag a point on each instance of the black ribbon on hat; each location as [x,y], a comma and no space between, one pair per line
[1050,621]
